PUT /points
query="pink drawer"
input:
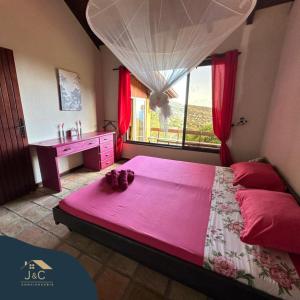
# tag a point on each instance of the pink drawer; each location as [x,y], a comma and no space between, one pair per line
[107,146]
[107,162]
[91,143]
[69,149]
[107,155]
[106,138]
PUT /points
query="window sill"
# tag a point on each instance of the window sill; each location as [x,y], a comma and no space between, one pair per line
[197,149]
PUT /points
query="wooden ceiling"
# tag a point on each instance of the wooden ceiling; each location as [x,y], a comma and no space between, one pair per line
[78,8]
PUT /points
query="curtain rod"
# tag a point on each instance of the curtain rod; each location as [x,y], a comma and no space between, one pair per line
[116,69]
[208,58]
[218,54]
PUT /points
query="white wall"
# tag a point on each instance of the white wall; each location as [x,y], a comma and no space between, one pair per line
[282,136]
[260,44]
[110,81]
[44,35]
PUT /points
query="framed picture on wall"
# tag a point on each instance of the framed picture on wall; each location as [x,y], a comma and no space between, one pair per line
[69,90]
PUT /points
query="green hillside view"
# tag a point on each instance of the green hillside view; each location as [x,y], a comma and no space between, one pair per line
[199,119]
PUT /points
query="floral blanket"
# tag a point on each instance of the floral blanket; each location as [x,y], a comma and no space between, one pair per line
[264,269]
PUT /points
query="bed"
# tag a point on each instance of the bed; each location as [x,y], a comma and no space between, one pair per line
[181,219]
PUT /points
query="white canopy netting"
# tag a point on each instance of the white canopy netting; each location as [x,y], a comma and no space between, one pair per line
[160,41]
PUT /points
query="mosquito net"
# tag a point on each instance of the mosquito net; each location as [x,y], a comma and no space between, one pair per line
[159,41]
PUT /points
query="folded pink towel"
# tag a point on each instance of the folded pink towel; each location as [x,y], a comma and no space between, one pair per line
[112,179]
[130,176]
[123,180]
[119,179]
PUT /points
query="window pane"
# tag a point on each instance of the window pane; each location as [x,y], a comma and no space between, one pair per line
[138,123]
[170,132]
[199,128]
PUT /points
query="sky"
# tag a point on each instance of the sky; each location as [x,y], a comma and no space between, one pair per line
[200,92]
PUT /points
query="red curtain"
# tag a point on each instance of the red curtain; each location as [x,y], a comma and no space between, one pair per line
[223,82]
[124,108]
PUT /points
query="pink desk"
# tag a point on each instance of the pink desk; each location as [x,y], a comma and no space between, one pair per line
[97,148]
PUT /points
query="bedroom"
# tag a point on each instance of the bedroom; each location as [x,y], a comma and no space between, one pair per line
[46,39]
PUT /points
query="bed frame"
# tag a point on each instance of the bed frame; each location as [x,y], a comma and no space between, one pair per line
[206,281]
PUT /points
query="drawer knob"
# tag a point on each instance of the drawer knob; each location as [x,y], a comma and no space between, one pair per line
[67,149]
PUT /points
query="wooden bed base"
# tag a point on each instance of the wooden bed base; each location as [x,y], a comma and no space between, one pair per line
[207,282]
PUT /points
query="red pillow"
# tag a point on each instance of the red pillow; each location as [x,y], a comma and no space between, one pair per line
[271,219]
[257,176]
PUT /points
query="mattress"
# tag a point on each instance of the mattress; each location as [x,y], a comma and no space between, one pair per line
[166,207]
[187,210]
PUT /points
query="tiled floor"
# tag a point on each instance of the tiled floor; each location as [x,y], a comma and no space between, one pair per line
[116,277]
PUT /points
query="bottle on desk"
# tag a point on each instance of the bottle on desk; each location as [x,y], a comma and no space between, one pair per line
[61,132]
[79,128]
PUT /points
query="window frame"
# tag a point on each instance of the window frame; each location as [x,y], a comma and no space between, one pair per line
[201,148]
[134,110]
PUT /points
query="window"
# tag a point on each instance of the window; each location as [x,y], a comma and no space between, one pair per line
[139,118]
[199,128]
[190,125]
[172,132]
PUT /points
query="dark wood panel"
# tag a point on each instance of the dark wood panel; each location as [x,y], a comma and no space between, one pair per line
[13,120]
[24,147]
[16,174]
[6,143]
[4,184]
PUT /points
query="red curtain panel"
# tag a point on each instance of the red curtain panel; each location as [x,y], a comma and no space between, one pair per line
[124,108]
[223,82]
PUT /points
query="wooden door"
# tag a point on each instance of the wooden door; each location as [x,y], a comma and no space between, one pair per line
[16,174]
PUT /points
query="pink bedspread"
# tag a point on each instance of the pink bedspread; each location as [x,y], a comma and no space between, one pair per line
[166,207]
